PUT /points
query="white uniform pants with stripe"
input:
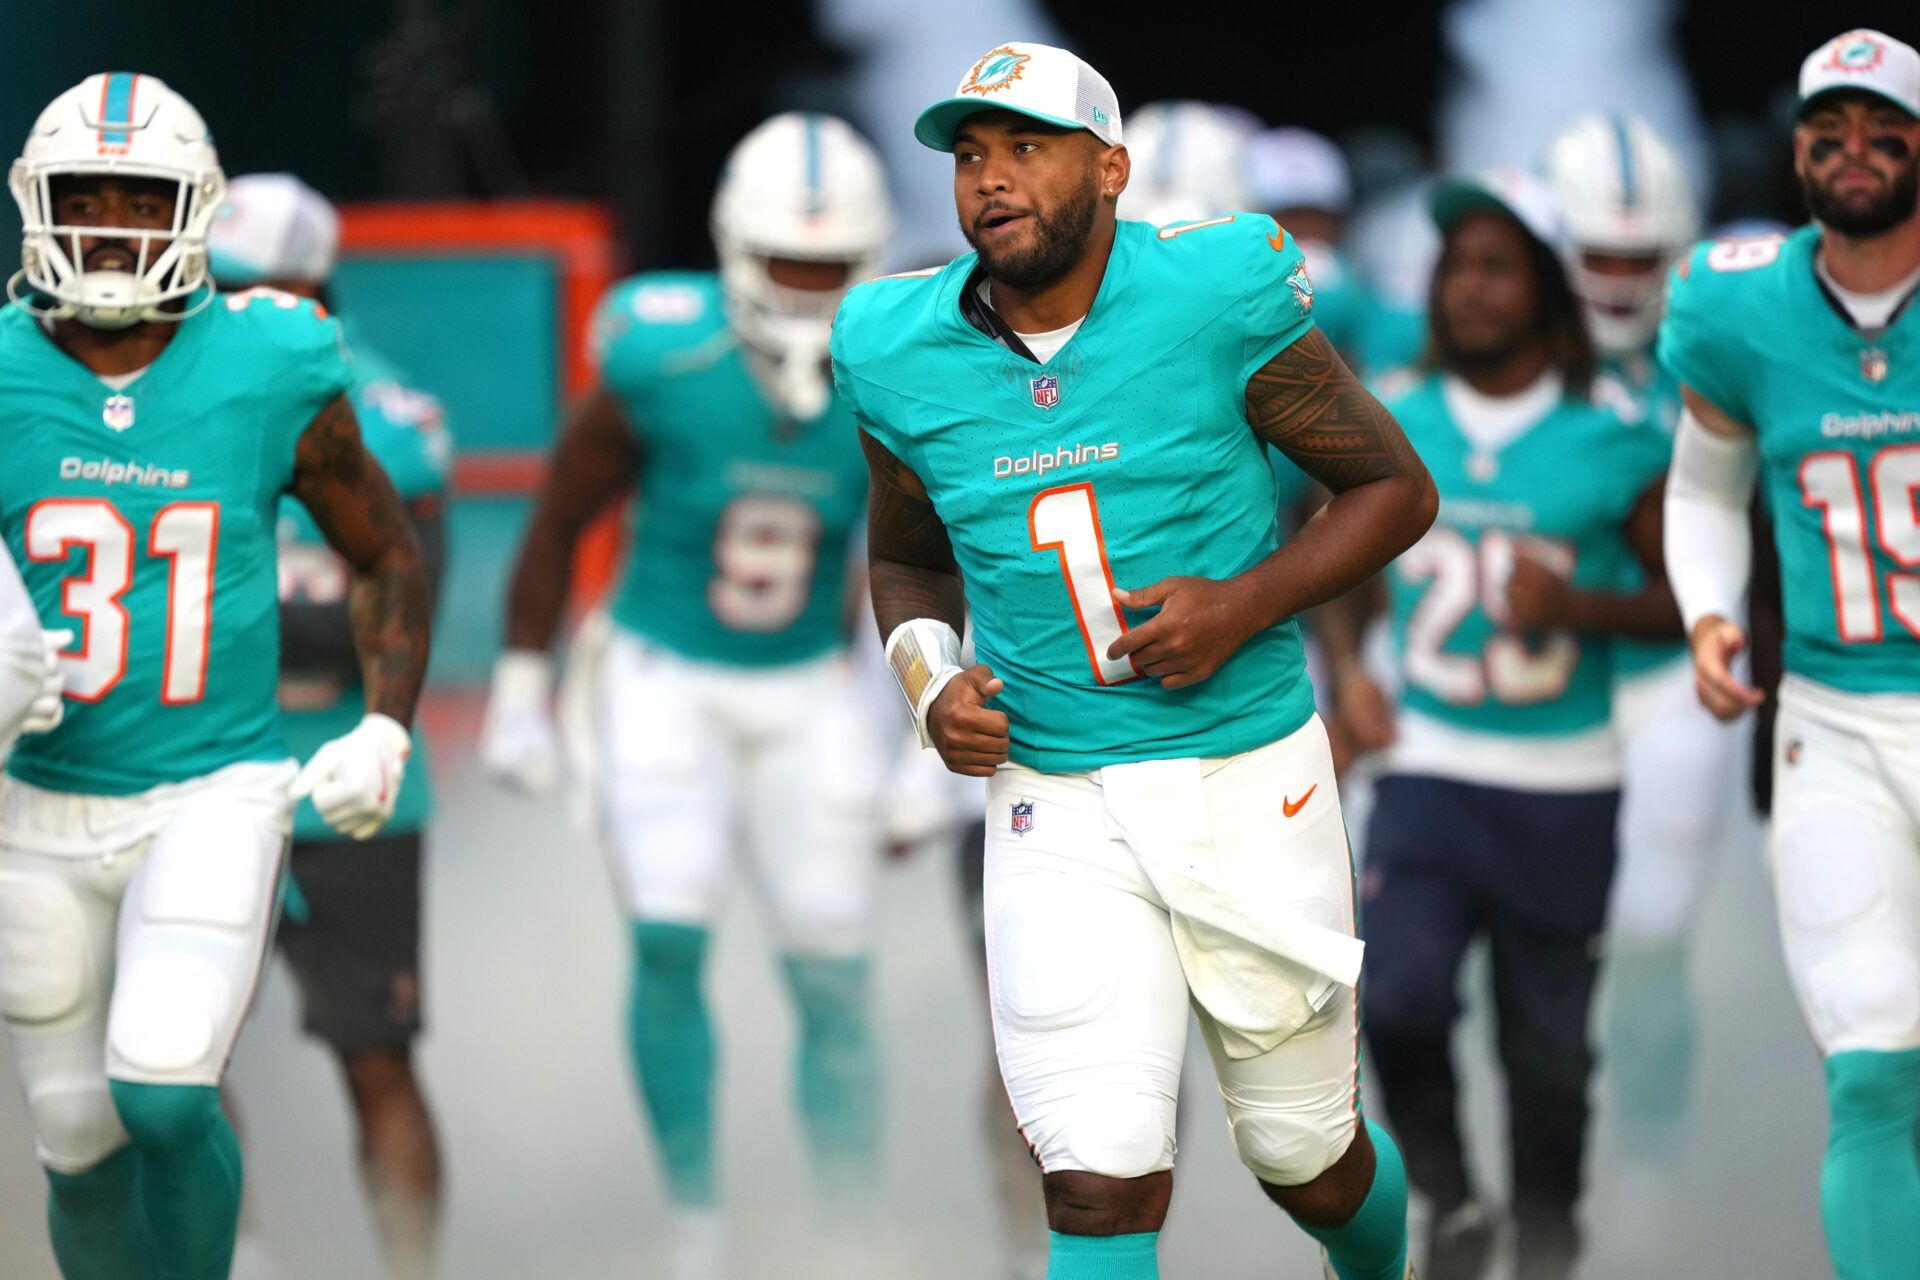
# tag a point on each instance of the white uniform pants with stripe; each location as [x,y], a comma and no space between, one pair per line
[784,761]
[1088,992]
[132,933]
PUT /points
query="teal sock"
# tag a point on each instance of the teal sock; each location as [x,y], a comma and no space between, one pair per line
[189,1175]
[672,1039]
[1649,1036]
[1870,1180]
[1133,1257]
[96,1221]
[836,1069]
[1373,1243]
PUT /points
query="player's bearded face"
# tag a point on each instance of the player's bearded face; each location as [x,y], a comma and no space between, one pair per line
[138,204]
[1859,167]
[1026,243]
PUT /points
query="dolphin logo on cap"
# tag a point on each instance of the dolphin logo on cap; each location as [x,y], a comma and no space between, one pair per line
[996,70]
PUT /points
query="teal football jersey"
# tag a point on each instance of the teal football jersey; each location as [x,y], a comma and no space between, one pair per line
[1837,420]
[1561,492]
[746,517]
[1646,394]
[143,520]
[405,430]
[1125,459]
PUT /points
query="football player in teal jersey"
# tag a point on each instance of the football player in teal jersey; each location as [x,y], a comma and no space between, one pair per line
[1495,817]
[1073,421]
[1800,362]
[152,430]
[1301,179]
[1630,216]
[351,930]
[727,700]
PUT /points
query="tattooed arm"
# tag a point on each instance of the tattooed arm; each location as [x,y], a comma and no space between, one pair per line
[1306,403]
[914,575]
[390,602]
[909,558]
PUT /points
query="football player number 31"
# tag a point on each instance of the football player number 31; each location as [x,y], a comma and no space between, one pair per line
[1066,520]
[182,533]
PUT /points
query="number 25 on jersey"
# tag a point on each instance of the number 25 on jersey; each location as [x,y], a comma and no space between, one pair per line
[184,534]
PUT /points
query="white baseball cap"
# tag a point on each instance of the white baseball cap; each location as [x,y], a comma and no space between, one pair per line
[1502,189]
[1035,80]
[1297,169]
[1864,61]
[273,227]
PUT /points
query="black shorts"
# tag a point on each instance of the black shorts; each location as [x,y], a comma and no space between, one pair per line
[356,955]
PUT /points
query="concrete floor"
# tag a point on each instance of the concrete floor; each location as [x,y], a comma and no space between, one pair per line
[551,1177]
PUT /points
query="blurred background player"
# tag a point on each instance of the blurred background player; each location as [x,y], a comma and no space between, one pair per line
[351,927]
[1800,360]
[1300,179]
[727,701]
[1496,816]
[1630,216]
[141,840]
[1188,161]
[1137,757]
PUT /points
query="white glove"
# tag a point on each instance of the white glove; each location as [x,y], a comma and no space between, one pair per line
[49,707]
[518,742]
[355,779]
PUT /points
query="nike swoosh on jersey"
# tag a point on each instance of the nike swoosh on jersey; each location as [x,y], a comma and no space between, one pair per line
[1291,807]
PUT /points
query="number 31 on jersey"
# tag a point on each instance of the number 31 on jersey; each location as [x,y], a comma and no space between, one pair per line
[185,534]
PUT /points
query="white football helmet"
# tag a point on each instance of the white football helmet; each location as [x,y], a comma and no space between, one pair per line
[134,126]
[805,186]
[1188,162]
[1623,192]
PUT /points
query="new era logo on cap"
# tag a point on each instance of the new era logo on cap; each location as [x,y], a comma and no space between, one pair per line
[1866,62]
[1035,80]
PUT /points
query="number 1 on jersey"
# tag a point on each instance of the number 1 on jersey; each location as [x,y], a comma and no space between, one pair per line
[1066,520]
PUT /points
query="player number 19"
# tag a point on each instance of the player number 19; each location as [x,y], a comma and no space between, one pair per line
[1830,481]
[185,535]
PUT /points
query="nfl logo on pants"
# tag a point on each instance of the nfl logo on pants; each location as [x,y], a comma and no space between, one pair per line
[1022,817]
[1046,391]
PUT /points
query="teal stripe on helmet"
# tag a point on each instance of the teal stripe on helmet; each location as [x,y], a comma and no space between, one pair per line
[1629,192]
[116,106]
[816,197]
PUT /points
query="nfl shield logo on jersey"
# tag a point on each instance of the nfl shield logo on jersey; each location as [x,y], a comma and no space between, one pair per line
[1046,392]
[1022,817]
[118,412]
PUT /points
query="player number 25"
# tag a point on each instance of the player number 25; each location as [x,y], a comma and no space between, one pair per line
[1830,481]
[1508,668]
[185,534]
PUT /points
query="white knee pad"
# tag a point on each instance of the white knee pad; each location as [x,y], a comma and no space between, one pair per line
[1288,1148]
[43,949]
[75,1125]
[1092,1075]
[1865,997]
[193,932]
[1117,1133]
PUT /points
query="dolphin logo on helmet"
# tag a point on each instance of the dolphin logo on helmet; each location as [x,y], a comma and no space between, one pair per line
[128,125]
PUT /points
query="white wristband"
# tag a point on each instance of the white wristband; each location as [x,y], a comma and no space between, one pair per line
[923,655]
[523,678]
